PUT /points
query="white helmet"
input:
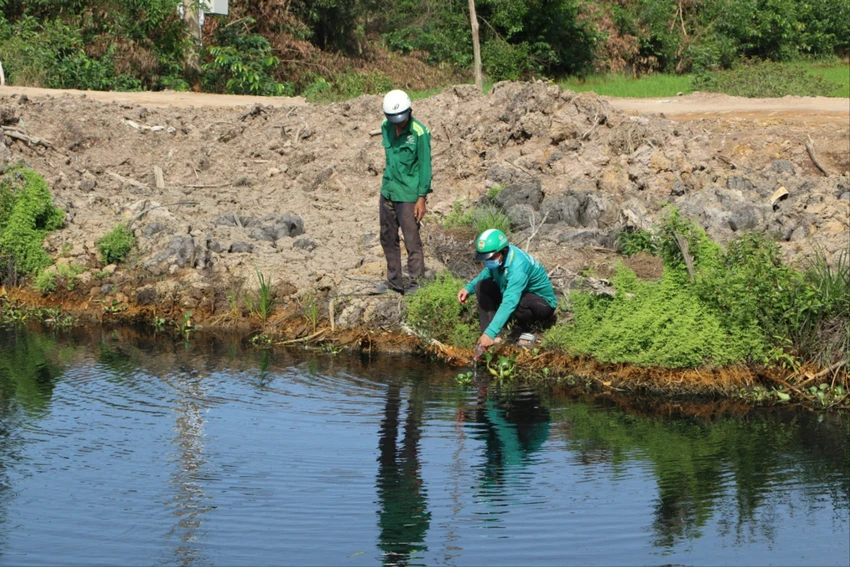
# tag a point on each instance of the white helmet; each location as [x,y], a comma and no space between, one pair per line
[397,106]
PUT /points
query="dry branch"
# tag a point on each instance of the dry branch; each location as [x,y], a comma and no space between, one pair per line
[810,147]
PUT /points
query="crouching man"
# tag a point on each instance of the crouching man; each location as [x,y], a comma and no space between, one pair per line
[512,284]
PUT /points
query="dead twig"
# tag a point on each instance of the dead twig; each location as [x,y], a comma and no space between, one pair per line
[535,228]
[810,147]
[142,213]
[303,339]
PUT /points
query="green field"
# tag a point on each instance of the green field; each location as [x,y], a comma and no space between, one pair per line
[664,85]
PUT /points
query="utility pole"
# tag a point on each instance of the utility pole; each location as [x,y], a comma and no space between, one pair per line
[476,47]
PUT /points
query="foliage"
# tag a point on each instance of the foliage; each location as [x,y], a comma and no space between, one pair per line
[435,312]
[27,215]
[633,242]
[459,215]
[46,281]
[743,305]
[651,324]
[116,244]
[243,64]
[764,79]
[490,216]
[262,302]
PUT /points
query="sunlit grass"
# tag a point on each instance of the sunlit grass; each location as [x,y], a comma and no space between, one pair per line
[657,85]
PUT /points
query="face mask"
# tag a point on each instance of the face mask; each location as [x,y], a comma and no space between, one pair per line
[492,264]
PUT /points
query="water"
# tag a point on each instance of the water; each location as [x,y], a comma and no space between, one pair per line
[117,449]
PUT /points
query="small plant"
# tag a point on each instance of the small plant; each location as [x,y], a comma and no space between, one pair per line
[116,244]
[263,301]
[490,217]
[434,312]
[46,281]
[310,309]
[632,242]
[466,378]
[500,366]
[494,191]
[186,326]
[158,324]
[459,216]
[113,306]
[261,339]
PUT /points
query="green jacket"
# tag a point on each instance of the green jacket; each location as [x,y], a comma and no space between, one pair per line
[408,173]
[520,273]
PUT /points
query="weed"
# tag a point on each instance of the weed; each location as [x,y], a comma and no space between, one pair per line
[27,215]
[466,378]
[186,326]
[633,242]
[310,309]
[113,306]
[262,302]
[765,79]
[261,340]
[46,281]
[503,368]
[158,324]
[435,312]
[116,244]
[494,191]
[461,214]
[490,217]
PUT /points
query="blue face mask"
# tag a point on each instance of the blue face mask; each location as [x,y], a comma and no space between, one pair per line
[492,264]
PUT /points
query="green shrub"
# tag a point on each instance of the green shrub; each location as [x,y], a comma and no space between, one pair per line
[27,215]
[652,324]
[764,79]
[116,244]
[434,311]
[459,216]
[503,61]
[633,242]
[46,281]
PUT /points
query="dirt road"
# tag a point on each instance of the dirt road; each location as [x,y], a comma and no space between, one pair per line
[680,108]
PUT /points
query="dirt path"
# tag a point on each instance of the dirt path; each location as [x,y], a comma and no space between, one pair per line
[682,108]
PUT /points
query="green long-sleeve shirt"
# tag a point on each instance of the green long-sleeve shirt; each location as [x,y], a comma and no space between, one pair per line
[407,175]
[519,273]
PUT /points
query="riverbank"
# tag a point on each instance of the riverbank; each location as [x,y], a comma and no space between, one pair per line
[221,199]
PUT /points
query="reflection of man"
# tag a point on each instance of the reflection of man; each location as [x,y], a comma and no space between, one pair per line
[403,518]
[405,186]
[514,429]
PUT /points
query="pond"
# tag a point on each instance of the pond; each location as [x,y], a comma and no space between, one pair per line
[122,448]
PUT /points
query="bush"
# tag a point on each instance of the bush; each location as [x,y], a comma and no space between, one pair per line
[503,61]
[652,324]
[27,215]
[434,311]
[490,217]
[764,79]
[116,244]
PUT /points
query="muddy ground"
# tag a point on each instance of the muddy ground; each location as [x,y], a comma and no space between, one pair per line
[218,189]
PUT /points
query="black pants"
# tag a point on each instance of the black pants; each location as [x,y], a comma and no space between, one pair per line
[532,309]
[394,215]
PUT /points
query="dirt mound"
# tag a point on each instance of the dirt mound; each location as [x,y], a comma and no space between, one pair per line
[217,193]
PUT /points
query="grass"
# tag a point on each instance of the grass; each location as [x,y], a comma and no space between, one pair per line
[621,85]
[662,85]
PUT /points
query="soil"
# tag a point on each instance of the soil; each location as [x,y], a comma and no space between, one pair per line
[221,189]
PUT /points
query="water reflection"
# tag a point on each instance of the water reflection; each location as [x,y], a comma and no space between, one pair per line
[403,516]
[190,498]
[449,462]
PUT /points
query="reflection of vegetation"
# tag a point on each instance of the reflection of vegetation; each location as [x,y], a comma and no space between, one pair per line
[699,464]
[27,374]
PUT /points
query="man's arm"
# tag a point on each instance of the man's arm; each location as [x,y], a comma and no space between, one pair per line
[510,300]
[423,151]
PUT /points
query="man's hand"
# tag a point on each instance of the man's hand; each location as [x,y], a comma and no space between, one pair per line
[485,341]
[419,209]
[462,295]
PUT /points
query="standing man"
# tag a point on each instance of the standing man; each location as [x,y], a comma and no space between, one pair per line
[405,187]
[512,283]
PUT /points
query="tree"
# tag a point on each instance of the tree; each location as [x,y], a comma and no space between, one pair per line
[476,47]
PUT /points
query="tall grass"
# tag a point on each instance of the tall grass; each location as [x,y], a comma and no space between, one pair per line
[622,85]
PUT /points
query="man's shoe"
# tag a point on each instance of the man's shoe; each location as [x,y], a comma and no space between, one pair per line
[526,340]
[384,287]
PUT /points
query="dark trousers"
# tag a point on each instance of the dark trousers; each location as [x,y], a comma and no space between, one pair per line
[531,309]
[395,215]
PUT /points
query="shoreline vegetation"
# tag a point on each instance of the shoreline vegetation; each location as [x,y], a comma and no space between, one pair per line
[730,321]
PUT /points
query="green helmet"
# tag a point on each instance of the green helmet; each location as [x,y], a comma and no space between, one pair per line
[489,242]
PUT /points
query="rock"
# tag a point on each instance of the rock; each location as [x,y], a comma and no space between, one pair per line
[241,247]
[305,244]
[521,194]
[783,166]
[739,183]
[746,218]
[179,252]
